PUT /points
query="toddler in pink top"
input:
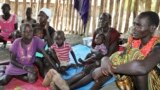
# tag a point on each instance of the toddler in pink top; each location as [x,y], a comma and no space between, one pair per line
[98,52]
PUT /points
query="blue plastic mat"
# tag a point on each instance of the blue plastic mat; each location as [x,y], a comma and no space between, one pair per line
[81,51]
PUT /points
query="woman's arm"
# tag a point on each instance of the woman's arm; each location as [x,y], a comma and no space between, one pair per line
[14,61]
[140,67]
[49,37]
[48,58]
[19,65]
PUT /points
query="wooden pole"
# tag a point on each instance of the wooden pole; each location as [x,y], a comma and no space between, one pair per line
[76,25]
[62,13]
[89,19]
[111,6]
[116,13]
[58,13]
[101,7]
[55,13]
[104,5]
[73,19]
[67,15]
[94,15]
[48,3]
[128,15]
[7,1]
[41,3]
[157,6]
[148,5]
[24,9]
[120,18]
[31,3]
[135,8]
[16,7]
[70,13]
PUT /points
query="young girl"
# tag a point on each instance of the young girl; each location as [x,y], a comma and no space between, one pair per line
[98,52]
[23,56]
[61,50]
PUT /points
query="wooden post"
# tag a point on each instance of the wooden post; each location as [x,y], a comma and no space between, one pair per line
[76,25]
[94,15]
[135,8]
[55,14]
[67,15]
[101,7]
[62,13]
[31,3]
[148,5]
[105,5]
[128,15]
[116,13]
[73,19]
[41,3]
[48,3]
[16,7]
[7,1]
[89,19]
[58,13]
[111,6]
[24,9]
[70,13]
[120,18]
[157,6]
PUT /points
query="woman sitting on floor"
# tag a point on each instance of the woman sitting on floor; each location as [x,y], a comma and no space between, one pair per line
[23,56]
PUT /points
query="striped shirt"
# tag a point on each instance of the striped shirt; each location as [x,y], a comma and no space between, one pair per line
[63,51]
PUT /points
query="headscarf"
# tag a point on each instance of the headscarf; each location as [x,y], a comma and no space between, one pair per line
[47,12]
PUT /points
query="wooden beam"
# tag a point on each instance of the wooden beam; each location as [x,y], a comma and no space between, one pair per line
[101,7]
[127,15]
[16,7]
[31,3]
[120,18]
[148,5]
[55,13]
[135,8]
[111,6]
[62,13]
[48,3]
[73,19]
[157,6]
[116,13]
[67,15]
[70,13]
[89,19]
[7,1]
[94,15]
[41,3]
[24,9]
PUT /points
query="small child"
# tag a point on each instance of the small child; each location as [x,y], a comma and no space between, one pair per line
[61,50]
[98,52]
